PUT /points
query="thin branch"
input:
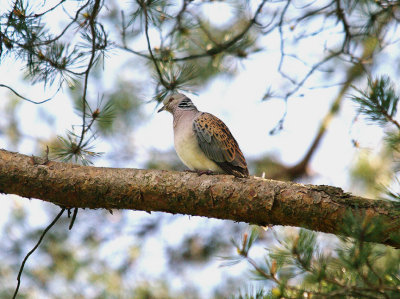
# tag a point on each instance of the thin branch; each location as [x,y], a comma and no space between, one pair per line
[37,15]
[34,249]
[178,24]
[314,12]
[346,26]
[300,168]
[73,218]
[92,24]
[282,40]
[388,116]
[298,85]
[213,51]
[206,32]
[146,28]
[24,98]
[310,72]
[73,21]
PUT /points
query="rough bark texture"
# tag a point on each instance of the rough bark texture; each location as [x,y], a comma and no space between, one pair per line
[251,200]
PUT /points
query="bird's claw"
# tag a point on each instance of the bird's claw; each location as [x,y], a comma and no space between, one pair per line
[200,172]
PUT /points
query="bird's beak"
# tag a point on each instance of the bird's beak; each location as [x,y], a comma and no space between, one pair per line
[161,109]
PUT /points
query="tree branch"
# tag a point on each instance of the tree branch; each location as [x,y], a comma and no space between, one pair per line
[252,200]
[354,72]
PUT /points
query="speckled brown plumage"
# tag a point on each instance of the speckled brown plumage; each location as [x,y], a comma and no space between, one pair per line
[219,145]
[202,141]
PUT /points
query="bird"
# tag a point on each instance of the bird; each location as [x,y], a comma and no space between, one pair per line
[202,141]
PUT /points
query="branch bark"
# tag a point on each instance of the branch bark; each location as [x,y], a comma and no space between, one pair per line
[252,200]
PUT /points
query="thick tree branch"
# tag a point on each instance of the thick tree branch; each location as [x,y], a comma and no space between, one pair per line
[252,200]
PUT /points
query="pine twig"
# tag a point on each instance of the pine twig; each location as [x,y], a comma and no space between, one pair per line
[92,25]
[73,218]
[146,30]
[25,98]
[34,249]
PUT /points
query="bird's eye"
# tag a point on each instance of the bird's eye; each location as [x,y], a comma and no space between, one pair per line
[170,100]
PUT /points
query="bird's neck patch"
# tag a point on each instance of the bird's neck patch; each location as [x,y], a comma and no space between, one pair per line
[186,103]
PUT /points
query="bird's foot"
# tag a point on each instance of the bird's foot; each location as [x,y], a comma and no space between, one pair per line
[207,172]
[201,172]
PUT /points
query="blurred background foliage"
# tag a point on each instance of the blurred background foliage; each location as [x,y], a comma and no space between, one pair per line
[165,46]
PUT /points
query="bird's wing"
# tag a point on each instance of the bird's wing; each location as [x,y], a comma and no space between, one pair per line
[219,145]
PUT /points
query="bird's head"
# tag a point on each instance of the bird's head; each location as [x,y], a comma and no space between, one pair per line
[177,101]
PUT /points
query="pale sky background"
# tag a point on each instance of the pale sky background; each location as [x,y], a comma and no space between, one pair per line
[237,101]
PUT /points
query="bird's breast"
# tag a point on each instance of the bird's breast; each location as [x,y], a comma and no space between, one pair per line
[189,151]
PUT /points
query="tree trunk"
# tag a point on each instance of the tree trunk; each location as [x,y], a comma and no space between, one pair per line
[252,200]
